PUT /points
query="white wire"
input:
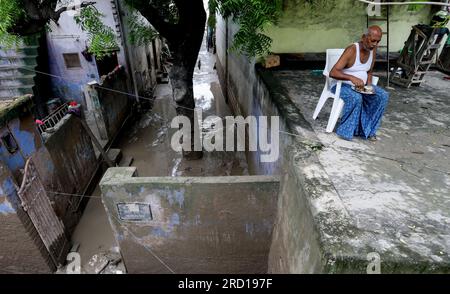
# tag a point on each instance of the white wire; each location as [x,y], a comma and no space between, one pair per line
[404,3]
[147,98]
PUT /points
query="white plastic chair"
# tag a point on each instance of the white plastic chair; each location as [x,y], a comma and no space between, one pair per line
[333,56]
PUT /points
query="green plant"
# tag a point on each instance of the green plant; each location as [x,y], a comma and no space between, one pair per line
[10,13]
[102,39]
[252,16]
[141,32]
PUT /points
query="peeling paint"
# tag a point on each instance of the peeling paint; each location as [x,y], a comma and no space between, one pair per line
[6,208]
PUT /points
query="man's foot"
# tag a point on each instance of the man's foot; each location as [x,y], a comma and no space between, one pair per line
[373,138]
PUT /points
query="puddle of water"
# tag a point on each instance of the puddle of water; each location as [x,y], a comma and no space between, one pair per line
[150,145]
[175,172]
[204,97]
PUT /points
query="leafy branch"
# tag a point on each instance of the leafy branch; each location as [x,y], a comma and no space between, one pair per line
[252,16]
[102,38]
[10,13]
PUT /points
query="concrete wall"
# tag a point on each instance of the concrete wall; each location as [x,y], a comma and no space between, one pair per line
[247,95]
[72,153]
[67,37]
[22,250]
[143,61]
[324,24]
[140,65]
[115,106]
[296,246]
[108,105]
[198,225]
[65,162]
[16,118]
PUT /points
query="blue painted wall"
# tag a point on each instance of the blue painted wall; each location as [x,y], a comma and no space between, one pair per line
[26,140]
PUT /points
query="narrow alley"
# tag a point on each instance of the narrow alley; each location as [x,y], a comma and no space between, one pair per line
[147,142]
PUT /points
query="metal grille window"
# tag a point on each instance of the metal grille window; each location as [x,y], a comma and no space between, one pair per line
[72,60]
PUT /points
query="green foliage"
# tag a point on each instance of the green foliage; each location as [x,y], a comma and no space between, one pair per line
[10,13]
[212,7]
[252,16]
[415,7]
[141,32]
[102,39]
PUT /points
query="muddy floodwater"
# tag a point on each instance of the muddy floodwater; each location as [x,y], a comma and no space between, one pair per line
[149,140]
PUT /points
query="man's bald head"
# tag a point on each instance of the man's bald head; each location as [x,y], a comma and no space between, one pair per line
[373,31]
[372,38]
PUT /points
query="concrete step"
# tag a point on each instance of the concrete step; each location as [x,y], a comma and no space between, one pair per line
[115,155]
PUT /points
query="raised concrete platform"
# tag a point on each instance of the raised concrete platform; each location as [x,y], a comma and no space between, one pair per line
[191,225]
[355,198]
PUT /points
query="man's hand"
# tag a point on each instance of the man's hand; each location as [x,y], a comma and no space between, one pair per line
[346,59]
[357,82]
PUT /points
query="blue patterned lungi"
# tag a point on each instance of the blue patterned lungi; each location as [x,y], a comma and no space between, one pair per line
[362,114]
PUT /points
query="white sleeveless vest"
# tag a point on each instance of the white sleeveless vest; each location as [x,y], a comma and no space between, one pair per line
[359,69]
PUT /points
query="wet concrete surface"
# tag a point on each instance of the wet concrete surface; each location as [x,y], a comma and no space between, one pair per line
[398,187]
[149,140]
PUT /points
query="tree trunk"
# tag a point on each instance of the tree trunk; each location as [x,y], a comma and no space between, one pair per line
[185,51]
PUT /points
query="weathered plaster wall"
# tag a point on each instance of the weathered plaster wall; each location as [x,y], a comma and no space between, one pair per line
[114,105]
[144,62]
[22,250]
[23,131]
[17,120]
[74,162]
[67,37]
[312,28]
[65,164]
[296,243]
[141,64]
[240,94]
[199,225]
[221,54]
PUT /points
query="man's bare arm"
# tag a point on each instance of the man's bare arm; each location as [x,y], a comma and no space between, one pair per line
[370,72]
[346,58]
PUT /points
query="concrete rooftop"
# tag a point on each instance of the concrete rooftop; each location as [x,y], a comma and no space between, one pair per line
[397,190]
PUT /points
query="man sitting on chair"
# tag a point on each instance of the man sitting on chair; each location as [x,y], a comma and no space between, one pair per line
[362,113]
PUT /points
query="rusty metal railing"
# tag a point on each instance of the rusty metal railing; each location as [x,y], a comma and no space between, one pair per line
[54,118]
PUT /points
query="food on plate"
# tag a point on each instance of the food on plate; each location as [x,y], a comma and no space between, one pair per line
[368,89]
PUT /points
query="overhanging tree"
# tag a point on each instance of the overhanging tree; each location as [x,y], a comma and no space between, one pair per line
[180,22]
